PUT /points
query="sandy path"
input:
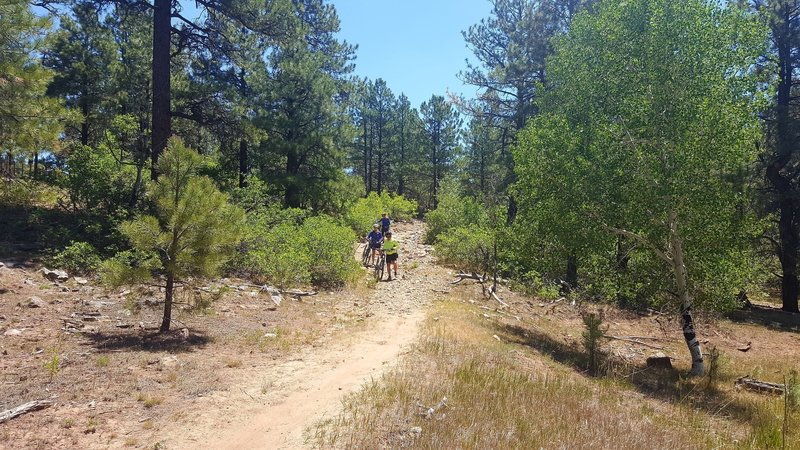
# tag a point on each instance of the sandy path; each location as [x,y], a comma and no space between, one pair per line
[272,405]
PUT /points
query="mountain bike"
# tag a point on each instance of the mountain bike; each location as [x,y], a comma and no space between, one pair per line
[365,255]
[379,266]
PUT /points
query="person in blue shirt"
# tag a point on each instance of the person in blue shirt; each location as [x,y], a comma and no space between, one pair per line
[375,240]
[385,223]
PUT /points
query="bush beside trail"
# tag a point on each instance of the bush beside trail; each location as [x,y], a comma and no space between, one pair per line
[367,210]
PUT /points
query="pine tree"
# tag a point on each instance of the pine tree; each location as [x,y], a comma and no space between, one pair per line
[29,120]
[194,232]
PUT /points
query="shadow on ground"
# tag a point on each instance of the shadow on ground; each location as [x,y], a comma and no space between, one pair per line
[668,385]
[149,340]
[774,318]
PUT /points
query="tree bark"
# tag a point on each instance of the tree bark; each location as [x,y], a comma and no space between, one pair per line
[162,10]
[682,285]
[170,291]
[243,163]
[292,194]
[572,272]
[787,205]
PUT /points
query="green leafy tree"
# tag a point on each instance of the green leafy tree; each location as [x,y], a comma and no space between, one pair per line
[652,113]
[195,229]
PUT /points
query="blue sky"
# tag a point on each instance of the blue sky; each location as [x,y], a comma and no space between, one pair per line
[415,45]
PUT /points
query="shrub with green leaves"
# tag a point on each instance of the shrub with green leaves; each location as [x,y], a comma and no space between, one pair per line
[317,251]
[366,211]
[455,210]
[466,249]
[331,248]
[97,181]
[20,192]
[77,258]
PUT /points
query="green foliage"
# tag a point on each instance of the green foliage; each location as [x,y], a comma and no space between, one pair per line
[316,250]
[97,182]
[366,211]
[29,120]
[19,192]
[195,231]
[592,337]
[455,210]
[77,258]
[53,364]
[331,250]
[665,160]
[281,256]
[129,267]
[466,249]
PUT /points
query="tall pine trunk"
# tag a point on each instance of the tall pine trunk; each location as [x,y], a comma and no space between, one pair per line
[787,205]
[162,10]
[243,163]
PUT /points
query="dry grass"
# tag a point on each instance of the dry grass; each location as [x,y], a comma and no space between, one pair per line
[511,386]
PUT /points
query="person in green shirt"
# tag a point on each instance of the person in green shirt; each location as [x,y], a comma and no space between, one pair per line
[390,247]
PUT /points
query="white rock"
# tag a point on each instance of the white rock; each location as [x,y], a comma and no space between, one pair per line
[55,275]
[36,302]
[80,280]
[12,332]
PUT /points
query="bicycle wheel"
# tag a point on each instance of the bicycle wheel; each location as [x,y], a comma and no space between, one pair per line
[365,255]
[379,267]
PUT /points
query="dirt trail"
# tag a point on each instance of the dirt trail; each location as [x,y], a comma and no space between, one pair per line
[276,402]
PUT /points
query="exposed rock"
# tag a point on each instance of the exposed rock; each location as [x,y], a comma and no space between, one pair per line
[659,361]
[169,362]
[81,281]
[12,332]
[36,302]
[55,275]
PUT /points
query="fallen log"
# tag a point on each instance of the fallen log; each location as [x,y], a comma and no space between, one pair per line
[494,296]
[428,412]
[634,341]
[469,276]
[751,384]
[35,405]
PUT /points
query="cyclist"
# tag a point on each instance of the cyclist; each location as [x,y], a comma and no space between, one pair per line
[390,247]
[385,223]
[375,240]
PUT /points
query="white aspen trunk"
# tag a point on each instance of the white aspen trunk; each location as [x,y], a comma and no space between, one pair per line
[682,284]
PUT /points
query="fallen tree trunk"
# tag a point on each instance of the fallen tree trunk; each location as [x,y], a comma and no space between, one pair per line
[35,405]
[635,341]
[469,276]
[751,384]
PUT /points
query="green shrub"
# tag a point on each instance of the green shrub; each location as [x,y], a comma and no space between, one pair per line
[454,210]
[366,211]
[97,182]
[331,249]
[466,249]
[318,251]
[77,258]
[20,192]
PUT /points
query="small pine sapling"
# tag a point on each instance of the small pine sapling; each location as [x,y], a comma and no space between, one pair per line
[194,232]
